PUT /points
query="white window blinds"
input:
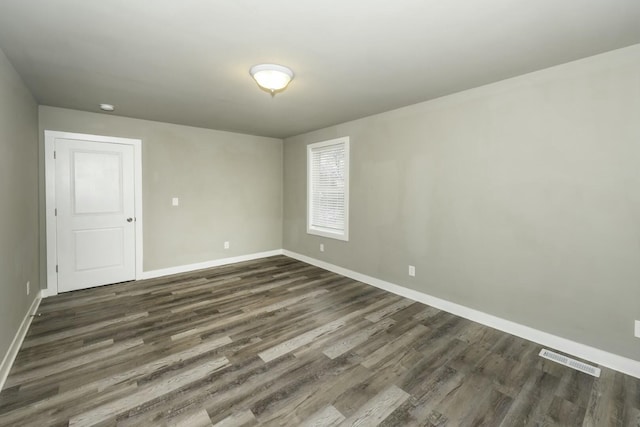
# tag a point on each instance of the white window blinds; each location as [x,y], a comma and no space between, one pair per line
[328,192]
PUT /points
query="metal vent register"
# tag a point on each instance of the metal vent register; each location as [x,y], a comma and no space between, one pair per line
[572,363]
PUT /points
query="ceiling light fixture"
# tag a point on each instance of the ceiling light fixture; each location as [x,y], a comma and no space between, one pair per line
[271,77]
[107,107]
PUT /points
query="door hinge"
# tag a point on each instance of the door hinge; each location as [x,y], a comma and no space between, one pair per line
[54,154]
[56,268]
[55,212]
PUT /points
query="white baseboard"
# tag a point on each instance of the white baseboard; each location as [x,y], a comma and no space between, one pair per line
[12,352]
[46,293]
[189,267]
[600,357]
[207,264]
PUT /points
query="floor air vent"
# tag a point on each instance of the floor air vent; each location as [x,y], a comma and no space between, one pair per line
[567,361]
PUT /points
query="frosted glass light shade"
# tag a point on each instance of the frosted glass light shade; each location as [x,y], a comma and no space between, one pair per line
[271,77]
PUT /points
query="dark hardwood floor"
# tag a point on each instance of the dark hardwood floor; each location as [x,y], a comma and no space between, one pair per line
[279,342]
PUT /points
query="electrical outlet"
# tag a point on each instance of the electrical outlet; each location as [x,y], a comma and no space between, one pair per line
[226,245]
[637,329]
[28,288]
[175,201]
[412,271]
[321,247]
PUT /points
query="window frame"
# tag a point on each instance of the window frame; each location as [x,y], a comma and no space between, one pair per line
[321,231]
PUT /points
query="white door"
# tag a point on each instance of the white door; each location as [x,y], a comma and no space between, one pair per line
[95,221]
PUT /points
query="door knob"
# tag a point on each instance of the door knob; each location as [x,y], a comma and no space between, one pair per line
[129,219]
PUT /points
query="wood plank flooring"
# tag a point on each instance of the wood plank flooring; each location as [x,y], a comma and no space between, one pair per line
[277,342]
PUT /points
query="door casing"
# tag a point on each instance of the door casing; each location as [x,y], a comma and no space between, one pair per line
[50,199]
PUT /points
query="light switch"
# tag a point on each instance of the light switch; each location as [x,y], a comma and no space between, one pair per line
[175,201]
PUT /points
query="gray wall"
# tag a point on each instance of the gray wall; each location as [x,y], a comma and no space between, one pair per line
[229,186]
[520,199]
[19,201]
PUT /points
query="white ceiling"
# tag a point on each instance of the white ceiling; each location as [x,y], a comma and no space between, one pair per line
[187,61]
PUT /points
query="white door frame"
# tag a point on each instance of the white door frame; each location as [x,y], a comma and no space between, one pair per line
[50,198]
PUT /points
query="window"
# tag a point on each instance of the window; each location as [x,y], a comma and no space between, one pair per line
[328,188]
